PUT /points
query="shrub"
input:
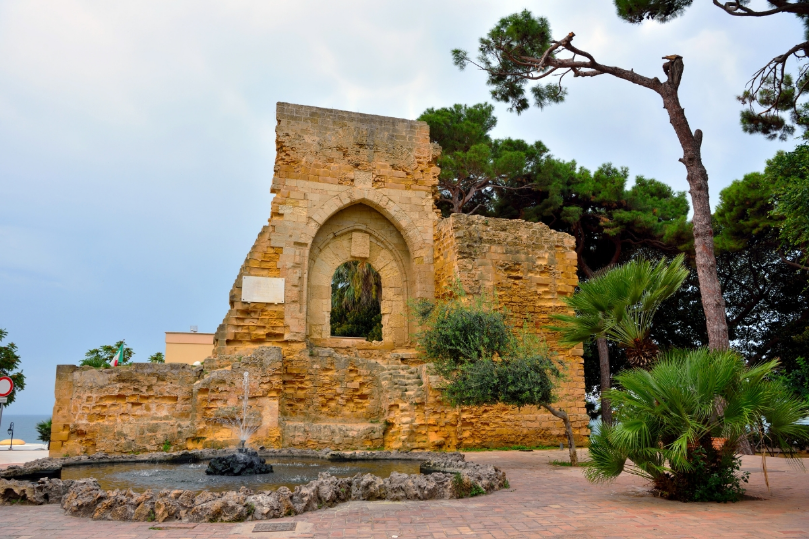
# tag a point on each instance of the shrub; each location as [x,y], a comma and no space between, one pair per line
[485,360]
[679,425]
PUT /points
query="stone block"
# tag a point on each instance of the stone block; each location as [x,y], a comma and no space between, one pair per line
[360,245]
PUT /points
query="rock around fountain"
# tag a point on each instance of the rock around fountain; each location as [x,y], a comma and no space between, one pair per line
[436,476]
[245,461]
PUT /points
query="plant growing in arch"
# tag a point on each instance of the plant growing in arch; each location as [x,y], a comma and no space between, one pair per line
[356,291]
[520,49]
[619,305]
[483,359]
[679,424]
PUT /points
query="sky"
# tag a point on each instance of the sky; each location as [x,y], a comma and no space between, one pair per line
[137,139]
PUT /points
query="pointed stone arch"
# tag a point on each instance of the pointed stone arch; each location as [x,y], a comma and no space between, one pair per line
[388,253]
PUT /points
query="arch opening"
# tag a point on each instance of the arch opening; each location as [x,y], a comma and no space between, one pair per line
[356,301]
[360,234]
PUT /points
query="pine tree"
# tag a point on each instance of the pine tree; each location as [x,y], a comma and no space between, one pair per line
[520,49]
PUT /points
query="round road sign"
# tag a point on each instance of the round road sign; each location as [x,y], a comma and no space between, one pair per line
[6,386]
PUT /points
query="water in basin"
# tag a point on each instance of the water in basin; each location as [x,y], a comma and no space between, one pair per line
[287,471]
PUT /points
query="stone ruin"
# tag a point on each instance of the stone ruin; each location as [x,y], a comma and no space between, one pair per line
[347,186]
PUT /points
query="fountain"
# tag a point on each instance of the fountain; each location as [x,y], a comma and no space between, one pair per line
[245,461]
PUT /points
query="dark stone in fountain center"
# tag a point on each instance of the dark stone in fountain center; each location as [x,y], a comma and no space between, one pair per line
[243,462]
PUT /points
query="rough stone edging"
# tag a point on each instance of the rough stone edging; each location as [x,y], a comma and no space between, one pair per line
[452,477]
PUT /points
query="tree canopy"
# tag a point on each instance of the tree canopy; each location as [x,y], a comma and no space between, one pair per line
[472,165]
[9,366]
[101,357]
[789,173]
[608,220]
[520,49]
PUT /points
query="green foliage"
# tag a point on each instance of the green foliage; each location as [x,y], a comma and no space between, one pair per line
[797,380]
[472,165]
[157,357]
[166,446]
[778,96]
[766,292]
[460,127]
[789,172]
[636,11]
[482,358]
[609,221]
[465,488]
[101,357]
[355,301]
[515,36]
[744,212]
[714,479]
[9,365]
[620,305]
[560,463]
[462,333]
[44,430]
[688,399]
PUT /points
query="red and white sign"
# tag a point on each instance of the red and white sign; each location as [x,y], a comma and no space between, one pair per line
[6,386]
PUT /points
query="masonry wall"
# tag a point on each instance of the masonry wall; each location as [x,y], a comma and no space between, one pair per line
[526,268]
[326,161]
[348,186]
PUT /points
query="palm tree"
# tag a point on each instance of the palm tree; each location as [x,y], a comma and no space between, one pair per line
[619,305]
[355,284]
[355,302]
[680,423]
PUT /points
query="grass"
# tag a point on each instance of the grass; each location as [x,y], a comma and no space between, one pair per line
[560,463]
[510,448]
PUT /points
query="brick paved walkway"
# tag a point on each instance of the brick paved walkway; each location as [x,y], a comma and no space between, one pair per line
[543,501]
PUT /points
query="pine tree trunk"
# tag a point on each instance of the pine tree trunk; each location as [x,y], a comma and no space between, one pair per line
[604,364]
[712,301]
[571,441]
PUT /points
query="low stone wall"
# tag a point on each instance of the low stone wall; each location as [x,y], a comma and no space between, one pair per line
[451,477]
[317,399]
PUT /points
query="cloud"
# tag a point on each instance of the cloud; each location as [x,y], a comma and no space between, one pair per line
[137,139]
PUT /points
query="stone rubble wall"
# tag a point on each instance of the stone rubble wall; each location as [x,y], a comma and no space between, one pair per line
[347,186]
[326,161]
[526,268]
[450,476]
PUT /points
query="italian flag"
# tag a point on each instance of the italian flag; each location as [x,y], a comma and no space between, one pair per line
[119,356]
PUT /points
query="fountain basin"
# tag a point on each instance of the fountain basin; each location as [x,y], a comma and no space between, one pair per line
[287,472]
[447,476]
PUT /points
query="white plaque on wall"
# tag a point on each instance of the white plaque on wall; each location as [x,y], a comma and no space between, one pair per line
[262,289]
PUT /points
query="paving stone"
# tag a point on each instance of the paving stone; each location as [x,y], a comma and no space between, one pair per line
[543,501]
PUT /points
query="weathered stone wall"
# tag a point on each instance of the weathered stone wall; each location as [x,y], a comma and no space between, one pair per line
[131,408]
[348,186]
[326,161]
[527,268]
